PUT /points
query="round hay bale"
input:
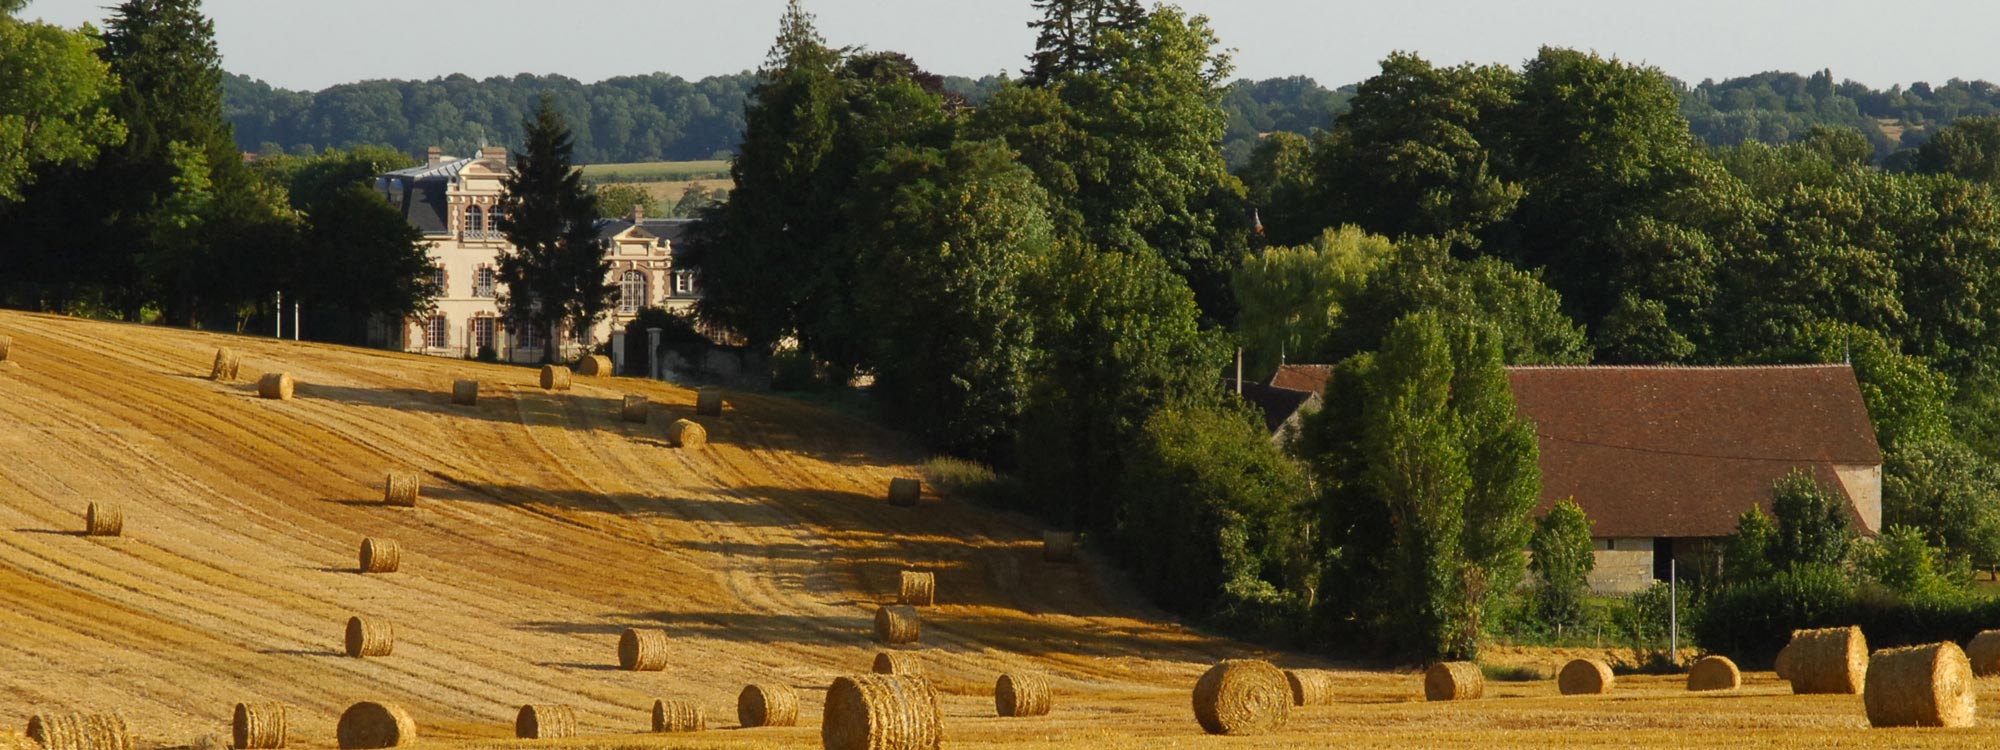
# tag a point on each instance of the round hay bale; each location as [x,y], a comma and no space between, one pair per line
[380,555]
[77,731]
[369,726]
[1919,686]
[545,721]
[904,492]
[104,519]
[898,624]
[1714,673]
[1310,687]
[1782,666]
[881,712]
[594,366]
[276,385]
[1059,546]
[1585,677]
[465,392]
[635,409]
[1022,694]
[708,402]
[1242,696]
[685,433]
[367,636]
[1454,681]
[642,650]
[258,726]
[767,706]
[555,378]
[1831,661]
[401,489]
[1984,653]
[897,662]
[917,589]
[227,363]
[678,716]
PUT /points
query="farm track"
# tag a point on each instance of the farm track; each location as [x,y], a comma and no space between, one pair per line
[548,526]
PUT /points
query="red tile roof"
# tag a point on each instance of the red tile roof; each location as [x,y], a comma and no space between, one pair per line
[1682,451]
[1308,378]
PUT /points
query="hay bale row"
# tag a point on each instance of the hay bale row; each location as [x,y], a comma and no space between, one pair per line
[897,662]
[79,731]
[1714,673]
[678,716]
[642,650]
[257,726]
[767,706]
[276,385]
[898,624]
[401,489]
[1919,686]
[685,433]
[370,726]
[380,555]
[368,636]
[227,364]
[1984,653]
[635,409]
[545,721]
[708,402]
[905,492]
[917,589]
[594,366]
[465,392]
[555,378]
[103,519]
[1019,694]
[1828,661]
[1059,546]
[881,712]
[1454,681]
[1242,696]
[1310,687]
[1585,677]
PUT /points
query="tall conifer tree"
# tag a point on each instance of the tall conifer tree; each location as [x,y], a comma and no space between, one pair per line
[555,270]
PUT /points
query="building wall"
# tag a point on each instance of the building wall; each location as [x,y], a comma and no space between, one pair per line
[1864,485]
[1624,565]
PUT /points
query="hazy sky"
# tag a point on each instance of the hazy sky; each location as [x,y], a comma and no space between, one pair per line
[315,43]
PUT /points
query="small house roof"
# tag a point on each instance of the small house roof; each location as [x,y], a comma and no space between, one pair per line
[1683,451]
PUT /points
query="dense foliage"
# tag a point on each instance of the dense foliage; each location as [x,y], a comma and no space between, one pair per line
[554,267]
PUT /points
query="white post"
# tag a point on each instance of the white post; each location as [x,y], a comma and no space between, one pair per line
[295,320]
[1673,612]
[280,317]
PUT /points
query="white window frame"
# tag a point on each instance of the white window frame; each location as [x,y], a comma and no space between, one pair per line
[630,300]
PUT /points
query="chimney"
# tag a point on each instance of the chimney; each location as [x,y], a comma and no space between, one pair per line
[639,212]
[496,154]
[436,156]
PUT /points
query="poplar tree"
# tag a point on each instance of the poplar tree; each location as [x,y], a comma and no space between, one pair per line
[555,270]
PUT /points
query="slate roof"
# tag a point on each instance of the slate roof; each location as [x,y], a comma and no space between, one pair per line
[419,192]
[1683,451]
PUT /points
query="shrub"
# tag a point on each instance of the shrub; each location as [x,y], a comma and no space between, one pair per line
[1751,620]
[488,354]
[1747,555]
[1645,622]
[1561,564]
[971,480]
[1812,523]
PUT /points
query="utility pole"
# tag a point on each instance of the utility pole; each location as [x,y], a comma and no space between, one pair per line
[1673,612]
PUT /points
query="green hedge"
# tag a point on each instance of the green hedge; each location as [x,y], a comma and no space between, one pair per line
[1750,621]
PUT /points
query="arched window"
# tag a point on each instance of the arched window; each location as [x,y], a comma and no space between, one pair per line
[475,222]
[439,332]
[632,293]
[493,220]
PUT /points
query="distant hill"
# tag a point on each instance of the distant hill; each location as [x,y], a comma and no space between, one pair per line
[662,117]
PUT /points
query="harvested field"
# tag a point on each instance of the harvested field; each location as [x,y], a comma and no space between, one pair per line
[548,527]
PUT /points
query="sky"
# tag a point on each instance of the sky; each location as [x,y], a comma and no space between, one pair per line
[312,44]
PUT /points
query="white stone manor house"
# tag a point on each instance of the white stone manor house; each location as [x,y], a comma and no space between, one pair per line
[456,204]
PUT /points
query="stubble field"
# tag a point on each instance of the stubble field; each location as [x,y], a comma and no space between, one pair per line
[548,526]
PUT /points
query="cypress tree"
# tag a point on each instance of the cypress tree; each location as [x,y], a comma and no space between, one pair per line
[555,270]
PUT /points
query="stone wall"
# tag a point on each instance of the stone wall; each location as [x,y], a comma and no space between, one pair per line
[1624,566]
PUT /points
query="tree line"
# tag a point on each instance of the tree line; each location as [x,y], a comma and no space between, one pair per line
[1050,282]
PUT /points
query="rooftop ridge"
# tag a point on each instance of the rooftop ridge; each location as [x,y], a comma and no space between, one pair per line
[1686,368]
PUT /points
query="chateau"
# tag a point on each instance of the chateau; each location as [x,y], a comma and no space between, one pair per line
[456,204]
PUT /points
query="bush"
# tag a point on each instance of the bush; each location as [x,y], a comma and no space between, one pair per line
[1751,620]
[1212,522]
[971,480]
[1562,563]
[488,354]
[1645,620]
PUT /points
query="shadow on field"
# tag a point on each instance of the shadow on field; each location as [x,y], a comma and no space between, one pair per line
[443,487]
